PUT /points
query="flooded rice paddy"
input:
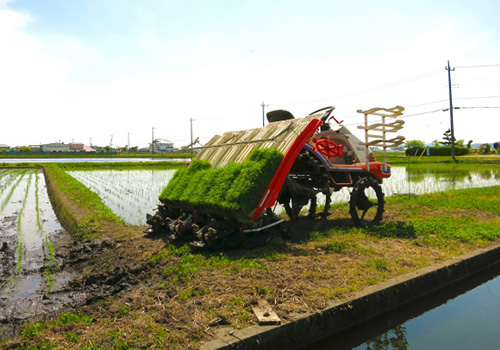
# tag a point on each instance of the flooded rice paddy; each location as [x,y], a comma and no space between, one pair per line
[28,257]
[130,194]
[88,160]
[133,193]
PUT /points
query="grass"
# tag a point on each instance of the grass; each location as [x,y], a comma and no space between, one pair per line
[189,264]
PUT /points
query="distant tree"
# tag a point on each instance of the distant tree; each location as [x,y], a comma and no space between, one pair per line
[414,144]
[107,148]
[3,150]
[25,149]
[460,143]
[485,148]
[436,143]
[447,138]
[123,149]
[134,149]
[469,144]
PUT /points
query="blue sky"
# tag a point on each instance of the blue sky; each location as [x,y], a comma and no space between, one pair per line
[84,70]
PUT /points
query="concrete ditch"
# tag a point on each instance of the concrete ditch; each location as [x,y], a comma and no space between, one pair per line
[369,303]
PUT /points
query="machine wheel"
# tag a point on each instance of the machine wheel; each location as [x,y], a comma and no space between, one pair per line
[296,195]
[367,203]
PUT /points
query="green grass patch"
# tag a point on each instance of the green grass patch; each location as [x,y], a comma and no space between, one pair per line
[187,265]
[70,317]
[468,215]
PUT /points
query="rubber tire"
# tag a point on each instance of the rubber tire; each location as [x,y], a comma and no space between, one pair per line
[357,194]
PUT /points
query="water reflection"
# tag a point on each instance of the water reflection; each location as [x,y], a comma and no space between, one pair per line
[420,180]
[463,315]
[392,339]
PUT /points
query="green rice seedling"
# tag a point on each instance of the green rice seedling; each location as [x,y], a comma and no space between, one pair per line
[19,177]
[20,244]
[37,206]
[130,194]
[236,187]
[19,251]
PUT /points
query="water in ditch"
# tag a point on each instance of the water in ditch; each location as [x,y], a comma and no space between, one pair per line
[463,316]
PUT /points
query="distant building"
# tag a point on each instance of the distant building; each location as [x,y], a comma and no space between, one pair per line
[80,147]
[88,149]
[4,147]
[160,145]
[36,148]
[55,147]
[76,147]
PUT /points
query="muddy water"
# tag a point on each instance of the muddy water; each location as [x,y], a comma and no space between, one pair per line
[30,238]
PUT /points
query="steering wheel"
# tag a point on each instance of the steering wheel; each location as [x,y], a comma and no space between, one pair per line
[328,110]
[328,148]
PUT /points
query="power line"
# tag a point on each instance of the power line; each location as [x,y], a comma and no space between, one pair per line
[475,107]
[427,103]
[473,98]
[369,90]
[479,66]
[426,112]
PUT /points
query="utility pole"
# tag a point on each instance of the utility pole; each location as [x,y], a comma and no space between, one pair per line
[111,142]
[128,140]
[191,127]
[153,140]
[451,112]
[263,106]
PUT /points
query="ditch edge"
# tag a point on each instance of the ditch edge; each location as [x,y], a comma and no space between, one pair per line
[363,306]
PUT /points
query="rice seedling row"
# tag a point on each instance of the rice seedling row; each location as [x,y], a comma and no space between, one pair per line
[129,193]
[10,188]
[20,236]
